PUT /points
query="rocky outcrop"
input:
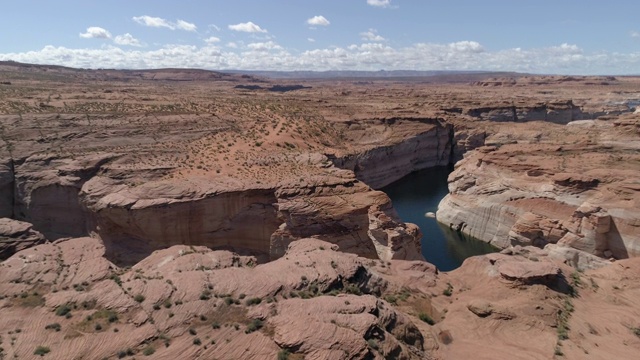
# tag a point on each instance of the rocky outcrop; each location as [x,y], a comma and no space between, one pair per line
[256,220]
[392,238]
[315,302]
[559,112]
[525,193]
[16,236]
[47,193]
[393,148]
[6,187]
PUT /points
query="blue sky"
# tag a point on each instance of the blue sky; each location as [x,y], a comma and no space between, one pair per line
[561,36]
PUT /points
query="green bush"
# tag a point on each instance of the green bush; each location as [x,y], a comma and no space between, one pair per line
[254,325]
[42,350]
[148,351]
[426,318]
[448,291]
[63,310]
[283,354]
[54,326]
[253,301]
[139,298]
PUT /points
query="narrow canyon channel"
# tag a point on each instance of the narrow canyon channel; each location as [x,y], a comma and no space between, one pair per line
[420,192]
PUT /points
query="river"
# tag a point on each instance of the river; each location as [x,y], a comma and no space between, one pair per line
[419,193]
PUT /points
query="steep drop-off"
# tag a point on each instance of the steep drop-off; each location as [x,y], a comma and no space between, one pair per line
[571,185]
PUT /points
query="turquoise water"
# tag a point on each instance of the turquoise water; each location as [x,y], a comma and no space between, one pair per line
[419,193]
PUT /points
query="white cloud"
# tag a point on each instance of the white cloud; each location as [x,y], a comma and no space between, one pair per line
[214,26]
[311,40]
[153,21]
[163,23]
[371,35]
[461,55]
[127,39]
[247,27]
[379,3]
[318,20]
[95,32]
[212,40]
[468,46]
[232,45]
[183,25]
[635,34]
[264,46]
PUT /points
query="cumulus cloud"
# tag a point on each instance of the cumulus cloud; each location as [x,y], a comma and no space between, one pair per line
[183,25]
[379,3]
[461,55]
[371,35]
[95,32]
[318,20]
[264,46]
[635,34]
[152,21]
[127,39]
[212,40]
[248,27]
[311,40]
[163,23]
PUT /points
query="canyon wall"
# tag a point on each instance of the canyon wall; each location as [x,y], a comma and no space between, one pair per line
[559,112]
[533,193]
[415,144]
[6,187]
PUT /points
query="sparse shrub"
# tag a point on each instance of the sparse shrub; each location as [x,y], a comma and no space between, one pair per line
[283,354]
[63,310]
[391,299]
[148,351]
[139,298]
[197,341]
[193,331]
[215,325]
[448,291]
[54,326]
[253,301]
[42,350]
[98,327]
[228,300]
[254,325]
[426,318]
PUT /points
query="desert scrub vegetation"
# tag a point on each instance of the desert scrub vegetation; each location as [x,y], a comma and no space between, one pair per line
[448,291]
[64,310]
[55,326]
[41,351]
[426,318]
[254,325]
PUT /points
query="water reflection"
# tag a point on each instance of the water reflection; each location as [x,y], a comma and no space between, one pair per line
[419,193]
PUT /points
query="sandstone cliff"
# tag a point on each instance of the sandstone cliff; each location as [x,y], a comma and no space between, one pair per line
[390,149]
[569,185]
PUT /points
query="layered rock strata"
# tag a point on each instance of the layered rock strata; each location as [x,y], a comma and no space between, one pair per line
[570,185]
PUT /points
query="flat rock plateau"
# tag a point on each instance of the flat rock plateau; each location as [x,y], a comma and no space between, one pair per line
[190,214]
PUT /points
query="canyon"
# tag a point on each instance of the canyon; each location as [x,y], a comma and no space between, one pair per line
[180,203]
